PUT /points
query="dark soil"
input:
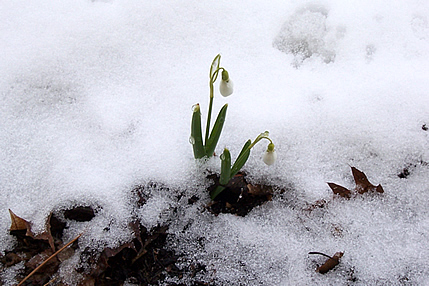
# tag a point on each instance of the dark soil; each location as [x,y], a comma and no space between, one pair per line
[239,197]
[144,261]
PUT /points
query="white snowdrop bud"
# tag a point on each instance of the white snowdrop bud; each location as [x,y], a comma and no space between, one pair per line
[226,86]
[270,155]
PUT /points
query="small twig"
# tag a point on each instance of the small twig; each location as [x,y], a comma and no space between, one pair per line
[320,253]
[51,281]
[139,255]
[50,257]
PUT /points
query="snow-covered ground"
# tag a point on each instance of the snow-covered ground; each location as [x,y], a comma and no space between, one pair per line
[96,97]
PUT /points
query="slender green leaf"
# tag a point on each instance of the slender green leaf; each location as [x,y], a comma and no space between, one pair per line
[216,131]
[241,159]
[196,134]
[216,192]
[245,147]
[225,169]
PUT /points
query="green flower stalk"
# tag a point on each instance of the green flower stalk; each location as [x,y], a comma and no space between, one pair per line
[211,138]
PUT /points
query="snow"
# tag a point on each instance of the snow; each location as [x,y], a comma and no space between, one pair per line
[96,98]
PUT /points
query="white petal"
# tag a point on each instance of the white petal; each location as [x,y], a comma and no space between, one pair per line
[226,88]
[269,157]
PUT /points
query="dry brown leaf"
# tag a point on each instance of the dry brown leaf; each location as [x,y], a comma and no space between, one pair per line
[21,224]
[110,252]
[379,189]
[17,222]
[341,191]
[362,185]
[46,235]
[330,263]
[260,190]
[39,258]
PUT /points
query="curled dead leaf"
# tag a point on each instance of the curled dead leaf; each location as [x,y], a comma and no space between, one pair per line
[330,263]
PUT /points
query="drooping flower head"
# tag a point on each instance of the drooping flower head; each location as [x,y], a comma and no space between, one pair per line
[270,155]
[226,87]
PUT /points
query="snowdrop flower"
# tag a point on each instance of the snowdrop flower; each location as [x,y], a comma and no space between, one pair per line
[226,86]
[270,155]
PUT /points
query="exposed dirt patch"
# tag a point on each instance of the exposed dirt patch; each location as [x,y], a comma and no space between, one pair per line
[239,197]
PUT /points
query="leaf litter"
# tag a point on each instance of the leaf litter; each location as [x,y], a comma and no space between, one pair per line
[146,259]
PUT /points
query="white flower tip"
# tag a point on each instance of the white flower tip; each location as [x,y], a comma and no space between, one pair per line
[196,107]
[226,87]
[269,157]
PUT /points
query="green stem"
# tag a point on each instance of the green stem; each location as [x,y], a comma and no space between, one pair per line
[214,70]
[245,152]
[209,115]
[219,189]
[213,78]
[261,136]
[214,67]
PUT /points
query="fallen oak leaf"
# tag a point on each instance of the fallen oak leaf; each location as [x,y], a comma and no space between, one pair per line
[46,235]
[362,183]
[330,263]
[20,224]
[341,191]
[17,222]
[379,189]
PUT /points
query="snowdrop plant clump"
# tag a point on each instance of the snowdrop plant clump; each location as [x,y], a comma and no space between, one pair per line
[228,172]
[206,149]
